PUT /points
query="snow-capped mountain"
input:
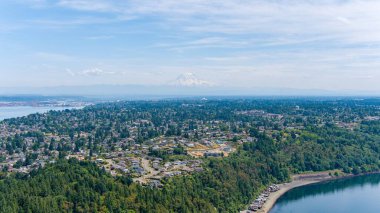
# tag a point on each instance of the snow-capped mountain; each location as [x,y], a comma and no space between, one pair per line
[190,80]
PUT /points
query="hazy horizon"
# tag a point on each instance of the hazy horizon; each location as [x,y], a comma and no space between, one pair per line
[176,91]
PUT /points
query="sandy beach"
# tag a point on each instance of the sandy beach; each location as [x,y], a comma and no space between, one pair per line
[297,180]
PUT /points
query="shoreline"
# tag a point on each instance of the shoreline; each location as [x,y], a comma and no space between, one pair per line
[297,181]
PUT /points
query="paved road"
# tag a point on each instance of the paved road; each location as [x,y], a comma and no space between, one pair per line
[150,171]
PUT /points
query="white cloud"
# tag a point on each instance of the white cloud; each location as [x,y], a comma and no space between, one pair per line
[343,20]
[70,72]
[347,22]
[95,72]
[70,22]
[89,5]
[90,72]
[207,41]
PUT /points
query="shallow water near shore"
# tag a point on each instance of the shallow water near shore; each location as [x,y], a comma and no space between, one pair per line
[348,195]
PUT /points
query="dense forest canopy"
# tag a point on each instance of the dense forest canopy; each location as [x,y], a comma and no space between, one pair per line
[289,136]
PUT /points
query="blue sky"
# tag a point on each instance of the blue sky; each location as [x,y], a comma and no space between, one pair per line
[302,44]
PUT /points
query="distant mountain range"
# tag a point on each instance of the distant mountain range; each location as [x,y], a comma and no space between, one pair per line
[187,86]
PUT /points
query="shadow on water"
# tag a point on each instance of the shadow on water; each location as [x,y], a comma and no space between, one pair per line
[329,187]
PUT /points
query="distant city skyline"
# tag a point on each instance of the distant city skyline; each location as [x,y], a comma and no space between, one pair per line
[300,44]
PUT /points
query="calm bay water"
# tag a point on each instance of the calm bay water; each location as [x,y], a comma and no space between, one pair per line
[19,111]
[357,194]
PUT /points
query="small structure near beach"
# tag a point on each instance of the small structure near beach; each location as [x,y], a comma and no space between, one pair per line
[259,202]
